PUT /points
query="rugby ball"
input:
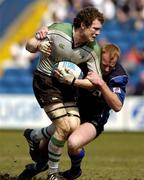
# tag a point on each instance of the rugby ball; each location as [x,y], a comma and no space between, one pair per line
[75,70]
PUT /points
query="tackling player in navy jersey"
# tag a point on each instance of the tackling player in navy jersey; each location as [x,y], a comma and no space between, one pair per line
[94,104]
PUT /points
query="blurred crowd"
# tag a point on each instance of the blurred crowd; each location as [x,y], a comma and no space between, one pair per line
[123,10]
[129,14]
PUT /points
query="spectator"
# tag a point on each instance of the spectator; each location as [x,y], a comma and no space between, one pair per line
[56,12]
[131,59]
[20,56]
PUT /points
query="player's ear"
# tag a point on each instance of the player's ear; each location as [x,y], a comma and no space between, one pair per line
[82,26]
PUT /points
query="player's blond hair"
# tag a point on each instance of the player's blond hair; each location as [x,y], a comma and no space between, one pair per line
[113,50]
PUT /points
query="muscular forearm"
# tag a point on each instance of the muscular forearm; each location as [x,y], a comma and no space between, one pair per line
[32,45]
[110,97]
[84,83]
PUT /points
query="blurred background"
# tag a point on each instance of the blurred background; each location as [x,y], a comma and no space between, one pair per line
[20,19]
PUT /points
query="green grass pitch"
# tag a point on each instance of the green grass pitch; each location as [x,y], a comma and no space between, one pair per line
[113,156]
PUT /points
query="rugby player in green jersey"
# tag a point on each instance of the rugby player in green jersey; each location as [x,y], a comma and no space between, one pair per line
[69,42]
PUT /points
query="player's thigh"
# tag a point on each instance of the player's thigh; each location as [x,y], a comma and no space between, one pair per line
[64,114]
[73,113]
[74,123]
[82,136]
[58,115]
[55,111]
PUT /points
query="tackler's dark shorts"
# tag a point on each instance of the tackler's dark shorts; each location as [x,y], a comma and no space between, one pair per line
[49,90]
[95,120]
[92,110]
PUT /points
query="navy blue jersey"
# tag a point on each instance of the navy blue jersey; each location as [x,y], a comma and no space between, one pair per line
[92,105]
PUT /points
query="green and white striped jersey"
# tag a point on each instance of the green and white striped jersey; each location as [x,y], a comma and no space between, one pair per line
[61,34]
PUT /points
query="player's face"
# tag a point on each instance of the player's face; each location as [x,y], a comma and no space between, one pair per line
[92,31]
[107,63]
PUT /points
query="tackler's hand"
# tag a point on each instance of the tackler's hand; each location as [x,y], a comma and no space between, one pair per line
[64,75]
[94,78]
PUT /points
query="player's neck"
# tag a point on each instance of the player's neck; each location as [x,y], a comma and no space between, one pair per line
[78,39]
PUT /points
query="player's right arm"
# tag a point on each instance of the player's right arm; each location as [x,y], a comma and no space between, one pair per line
[42,33]
[113,96]
[34,45]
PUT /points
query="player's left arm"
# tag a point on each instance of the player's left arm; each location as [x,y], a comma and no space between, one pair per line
[110,97]
[65,76]
[84,83]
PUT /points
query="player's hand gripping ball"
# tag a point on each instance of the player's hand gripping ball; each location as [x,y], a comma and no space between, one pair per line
[66,72]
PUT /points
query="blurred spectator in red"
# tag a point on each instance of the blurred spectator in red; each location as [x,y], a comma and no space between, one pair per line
[131,59]
[136,80]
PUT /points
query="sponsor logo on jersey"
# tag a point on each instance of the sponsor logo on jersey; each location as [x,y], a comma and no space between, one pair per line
[61,46]
[116,90]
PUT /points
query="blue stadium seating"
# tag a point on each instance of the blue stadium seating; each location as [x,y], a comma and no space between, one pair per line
[123,34]
[9,11]
[16,72]
[17,81]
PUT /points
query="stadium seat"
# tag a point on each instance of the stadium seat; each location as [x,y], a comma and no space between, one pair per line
[16,72]
[16,81]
